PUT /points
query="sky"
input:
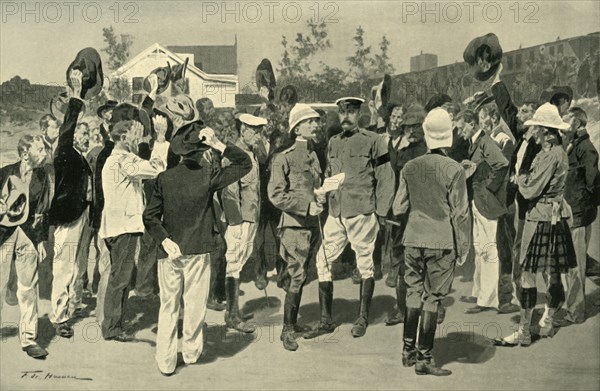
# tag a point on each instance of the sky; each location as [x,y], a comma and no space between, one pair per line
[39,40]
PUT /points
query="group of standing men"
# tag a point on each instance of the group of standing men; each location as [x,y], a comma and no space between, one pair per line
[437,180]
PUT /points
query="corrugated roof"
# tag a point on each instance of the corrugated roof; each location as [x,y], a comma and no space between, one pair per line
[212,59]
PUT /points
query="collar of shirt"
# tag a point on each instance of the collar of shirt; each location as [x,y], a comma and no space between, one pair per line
[350,132]
[580,136]
[476,136]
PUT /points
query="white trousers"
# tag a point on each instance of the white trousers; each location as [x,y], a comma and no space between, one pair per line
[240,245]
[487,263]
[65,268]
[104,270]
[187,277]
[18,248]
[361,231]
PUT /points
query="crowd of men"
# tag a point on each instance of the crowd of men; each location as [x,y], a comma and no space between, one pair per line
[164,200]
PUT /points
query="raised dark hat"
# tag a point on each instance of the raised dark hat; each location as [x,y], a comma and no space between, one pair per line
[437,100]
[88,62]
[129,112]
[486,48]
[178,71]
[164,78]
[289,95]
[382,92]
[15,193]
[265,77]
[186,140]
[553,91]
[110,104]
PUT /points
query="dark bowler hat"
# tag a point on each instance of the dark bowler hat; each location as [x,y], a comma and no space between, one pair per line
[164,77]
[437,100]
[265,77]
[556,91]
[109,105]
[186,140]
[59,104]
[129,112]
[88,62]
[486,48]
[289,95]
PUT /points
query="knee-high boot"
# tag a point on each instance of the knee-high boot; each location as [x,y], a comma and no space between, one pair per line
[232,314]
[367,287]
[425,364]
[411,325]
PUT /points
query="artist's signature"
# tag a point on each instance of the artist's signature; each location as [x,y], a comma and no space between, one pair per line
[41,375]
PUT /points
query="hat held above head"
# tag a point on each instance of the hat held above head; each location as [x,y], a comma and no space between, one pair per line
[183,106]
[547,116]
[163,74]
[299,113]
[252,120]
[15,194]
[481,51]
[89,64]
[437,128]
[187,139]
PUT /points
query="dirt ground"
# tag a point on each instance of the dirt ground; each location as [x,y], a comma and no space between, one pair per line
[570,360]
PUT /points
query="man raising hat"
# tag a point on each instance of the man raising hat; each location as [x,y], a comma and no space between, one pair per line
[295,175]
[241,204]
[362,199]
[179,216]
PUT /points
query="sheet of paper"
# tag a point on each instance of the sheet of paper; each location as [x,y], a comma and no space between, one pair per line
[332,183]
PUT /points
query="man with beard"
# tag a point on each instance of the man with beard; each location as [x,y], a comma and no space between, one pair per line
[524,152]
[18,243]
[355,209]
[411,146]
[71,206]
[487,206]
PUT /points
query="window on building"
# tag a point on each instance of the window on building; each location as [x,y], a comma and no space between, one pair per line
[137,84]
[552,50]
[518,60]
[560,49]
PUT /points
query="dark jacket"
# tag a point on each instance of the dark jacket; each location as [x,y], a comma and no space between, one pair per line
[72,173]
[583,172]
[241,200]
[39,203]
[433,192]
[180,207]
[508,110]
[488,183]
[295,173]
[369,183]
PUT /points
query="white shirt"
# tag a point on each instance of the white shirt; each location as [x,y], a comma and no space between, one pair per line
[123,190]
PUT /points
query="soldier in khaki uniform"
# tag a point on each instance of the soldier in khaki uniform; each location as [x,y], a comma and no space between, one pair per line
[295,174]
[363,198]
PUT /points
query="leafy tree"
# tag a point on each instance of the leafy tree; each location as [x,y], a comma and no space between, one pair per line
[117,49]
[361,63]
[382,60]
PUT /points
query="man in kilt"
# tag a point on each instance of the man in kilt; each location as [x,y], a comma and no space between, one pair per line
[547,245]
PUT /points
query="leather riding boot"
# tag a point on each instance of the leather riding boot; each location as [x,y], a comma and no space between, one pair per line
[411,325]
[425,364]
[367,286]
[290,316]
[398,316]
[232,315]
[325,325]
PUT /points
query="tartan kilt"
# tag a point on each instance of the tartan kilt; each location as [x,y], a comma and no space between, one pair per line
[551,247]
